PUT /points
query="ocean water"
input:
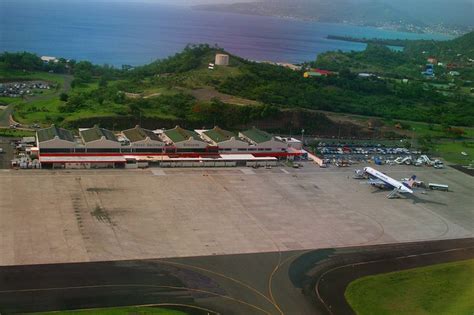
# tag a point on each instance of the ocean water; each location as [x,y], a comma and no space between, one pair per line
[119,33]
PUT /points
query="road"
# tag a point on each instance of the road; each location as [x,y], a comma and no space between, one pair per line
[298,282]
[7,153]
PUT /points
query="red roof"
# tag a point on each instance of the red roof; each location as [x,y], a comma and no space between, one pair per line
[324,72]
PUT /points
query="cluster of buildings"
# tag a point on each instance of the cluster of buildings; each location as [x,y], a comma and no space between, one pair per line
[98,147]
[451,68]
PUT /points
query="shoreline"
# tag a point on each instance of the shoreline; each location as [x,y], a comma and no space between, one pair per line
[393,28]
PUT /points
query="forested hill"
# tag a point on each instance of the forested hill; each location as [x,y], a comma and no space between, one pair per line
[182,88]
[449,48]
[463,45]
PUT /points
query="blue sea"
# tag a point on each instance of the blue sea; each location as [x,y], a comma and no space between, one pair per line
[117,33]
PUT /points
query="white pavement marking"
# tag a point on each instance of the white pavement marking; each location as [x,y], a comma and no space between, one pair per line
[284,171]
[247,171]
[158,172]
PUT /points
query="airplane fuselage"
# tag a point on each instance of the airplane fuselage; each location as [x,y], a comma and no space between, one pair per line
[388,180]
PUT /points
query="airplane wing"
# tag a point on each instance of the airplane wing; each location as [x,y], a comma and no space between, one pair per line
[376,181]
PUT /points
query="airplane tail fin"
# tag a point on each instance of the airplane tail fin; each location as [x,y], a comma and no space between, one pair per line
[412,181]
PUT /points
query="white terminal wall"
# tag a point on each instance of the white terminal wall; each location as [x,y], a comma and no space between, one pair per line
[147,143]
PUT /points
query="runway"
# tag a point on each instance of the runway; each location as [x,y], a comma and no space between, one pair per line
[294,282]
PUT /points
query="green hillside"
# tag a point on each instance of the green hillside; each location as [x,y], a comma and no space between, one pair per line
[181,89]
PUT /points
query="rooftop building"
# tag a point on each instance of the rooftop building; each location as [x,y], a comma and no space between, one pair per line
[55,138]
[318,73]
[256,136]
[96,133]
[139,134]
[262,141]
[225,140]
[54,132]
[49,59]
[142,138]
[183,138]
[217,135]
[178,134]
[97,137]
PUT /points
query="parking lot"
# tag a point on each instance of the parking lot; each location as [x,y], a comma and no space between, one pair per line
[85,215]
[347,154]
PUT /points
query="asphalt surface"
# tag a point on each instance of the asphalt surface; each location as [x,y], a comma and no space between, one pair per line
[330,282]
[7,155]
[464,169]
[299,282]
[5,116]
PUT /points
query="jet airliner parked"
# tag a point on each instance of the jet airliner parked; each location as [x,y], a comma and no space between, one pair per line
[379,179]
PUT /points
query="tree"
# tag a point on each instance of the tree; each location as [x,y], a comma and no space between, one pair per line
[63,97]
[135,109]
[22,61]
[103,82]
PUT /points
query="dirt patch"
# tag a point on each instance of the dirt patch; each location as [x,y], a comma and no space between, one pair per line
[207,94]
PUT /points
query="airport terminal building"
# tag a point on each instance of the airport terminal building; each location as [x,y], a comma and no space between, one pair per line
[97,147]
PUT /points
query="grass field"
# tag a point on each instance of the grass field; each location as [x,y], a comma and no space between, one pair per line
[451,152]
[15,133]
[8,74]
[118,311]
[438,289]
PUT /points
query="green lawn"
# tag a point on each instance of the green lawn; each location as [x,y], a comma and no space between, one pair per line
[201,78]
[9,100]
[27,75]
[119,311]
[434,130]
[451,151]
[444,289]
[15,133]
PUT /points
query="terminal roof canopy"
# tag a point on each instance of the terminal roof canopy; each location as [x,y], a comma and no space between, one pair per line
[257,135]
[219,135]
[139,134]
[96,133]
[178,134]
[53,132]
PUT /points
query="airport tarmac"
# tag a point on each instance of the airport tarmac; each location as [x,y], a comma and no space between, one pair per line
[296,282]
[6,153]
[105,215]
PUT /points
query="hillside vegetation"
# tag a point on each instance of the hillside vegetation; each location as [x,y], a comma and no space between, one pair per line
[181,89]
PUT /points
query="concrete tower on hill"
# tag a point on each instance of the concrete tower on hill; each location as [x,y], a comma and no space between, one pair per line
[222,60]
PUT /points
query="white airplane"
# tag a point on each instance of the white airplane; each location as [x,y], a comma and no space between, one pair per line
[379,179]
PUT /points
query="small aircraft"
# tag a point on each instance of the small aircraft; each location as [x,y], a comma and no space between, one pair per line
[381,180]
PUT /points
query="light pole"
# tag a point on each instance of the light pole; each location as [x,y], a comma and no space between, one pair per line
[302,137]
